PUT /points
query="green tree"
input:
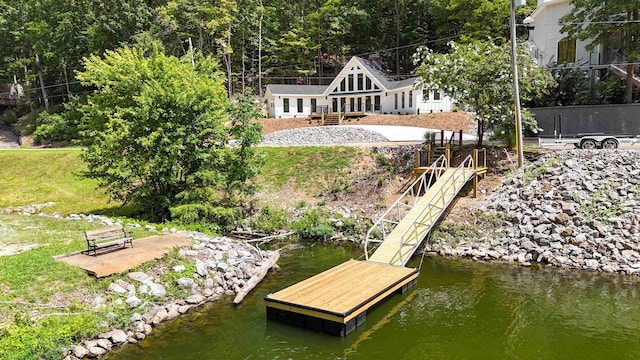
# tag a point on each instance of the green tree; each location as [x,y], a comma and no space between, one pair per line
[479,75]
[156,132]
[614,23]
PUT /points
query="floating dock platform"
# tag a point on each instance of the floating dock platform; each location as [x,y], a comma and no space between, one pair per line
[336,301]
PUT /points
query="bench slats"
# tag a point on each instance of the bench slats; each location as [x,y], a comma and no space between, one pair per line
[107,237]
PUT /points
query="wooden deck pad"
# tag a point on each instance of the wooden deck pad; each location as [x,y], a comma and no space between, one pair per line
[121,260]
[342,292]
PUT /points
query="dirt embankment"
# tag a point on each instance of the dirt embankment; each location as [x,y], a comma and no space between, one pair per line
[452,121]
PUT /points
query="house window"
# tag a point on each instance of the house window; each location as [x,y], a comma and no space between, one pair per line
[396,102]
[367,103]
[403,99]
[368,83]
[376,103]
[436,95]
[360,104]
[352,105]
[314,105]
[376,87]
[285,104]
[566,51]
[300,109]
[360,81]
[426,93]
[343,104]
[350,82]
[334,105]
[342,85]
[410,98]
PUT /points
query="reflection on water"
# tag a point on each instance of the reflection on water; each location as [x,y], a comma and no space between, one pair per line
[459,309]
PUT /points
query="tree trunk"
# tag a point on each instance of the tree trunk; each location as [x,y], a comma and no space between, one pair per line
[228,59]
[628,91]
[260,49]
[397,37]
[42,89]
[256,277]
[66,81]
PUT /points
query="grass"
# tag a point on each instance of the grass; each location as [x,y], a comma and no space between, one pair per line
[311,167]
[40,176]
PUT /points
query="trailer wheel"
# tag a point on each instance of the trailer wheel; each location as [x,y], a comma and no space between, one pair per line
[588,144]
[609,144]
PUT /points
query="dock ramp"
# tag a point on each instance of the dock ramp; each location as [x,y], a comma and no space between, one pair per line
[403,227]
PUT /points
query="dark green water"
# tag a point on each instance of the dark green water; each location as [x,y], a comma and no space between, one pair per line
[458,310]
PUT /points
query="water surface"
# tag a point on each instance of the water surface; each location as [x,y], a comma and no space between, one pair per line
[458,310]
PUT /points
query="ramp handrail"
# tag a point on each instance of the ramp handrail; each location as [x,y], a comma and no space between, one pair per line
[421,184]
[464,169]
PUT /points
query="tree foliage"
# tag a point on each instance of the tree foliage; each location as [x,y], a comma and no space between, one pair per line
[615,24]
[156,132]
[479,75]
[298,39]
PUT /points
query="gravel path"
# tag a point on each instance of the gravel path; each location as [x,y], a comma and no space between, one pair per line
[322,136]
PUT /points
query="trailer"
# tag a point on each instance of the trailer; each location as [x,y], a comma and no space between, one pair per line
[590,140]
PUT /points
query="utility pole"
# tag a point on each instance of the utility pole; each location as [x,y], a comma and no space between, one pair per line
[516,88]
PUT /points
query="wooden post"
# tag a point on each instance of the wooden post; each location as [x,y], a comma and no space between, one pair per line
[475,159]
[460,139]
[447,154]
[417,158]
[475,171]
[441,137]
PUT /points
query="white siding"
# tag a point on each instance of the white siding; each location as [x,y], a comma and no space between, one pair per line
[429,104]
[546,34]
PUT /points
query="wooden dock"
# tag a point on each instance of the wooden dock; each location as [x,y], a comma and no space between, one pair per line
[336,301]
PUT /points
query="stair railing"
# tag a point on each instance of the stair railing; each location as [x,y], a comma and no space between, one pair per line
[385,224]
[419,229]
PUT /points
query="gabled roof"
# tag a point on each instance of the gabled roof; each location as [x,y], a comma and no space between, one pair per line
[286,89]
[379,75]
[383,76]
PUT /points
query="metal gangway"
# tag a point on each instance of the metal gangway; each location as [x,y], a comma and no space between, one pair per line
[402,228]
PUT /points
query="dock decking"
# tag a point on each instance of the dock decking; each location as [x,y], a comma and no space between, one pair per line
[336,301]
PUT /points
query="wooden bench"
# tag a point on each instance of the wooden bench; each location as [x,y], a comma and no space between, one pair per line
[107,238]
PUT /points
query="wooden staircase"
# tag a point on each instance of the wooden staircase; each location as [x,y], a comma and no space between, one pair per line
[331,119]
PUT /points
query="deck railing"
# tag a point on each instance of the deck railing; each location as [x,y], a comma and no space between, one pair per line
[438,203]
[385,224]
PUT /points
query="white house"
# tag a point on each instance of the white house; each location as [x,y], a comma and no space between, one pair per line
[361,87]
[550,46]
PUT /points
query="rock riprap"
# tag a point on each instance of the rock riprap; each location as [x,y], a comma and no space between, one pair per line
[573,209]
[221,266]
[323,135]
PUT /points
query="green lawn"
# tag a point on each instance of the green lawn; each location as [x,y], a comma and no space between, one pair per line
[309,167]
[40,176]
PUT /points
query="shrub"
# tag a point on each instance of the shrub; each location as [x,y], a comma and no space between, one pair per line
[270,219]
[9,117]
[314,224]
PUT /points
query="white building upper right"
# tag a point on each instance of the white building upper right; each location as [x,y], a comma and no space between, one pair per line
[549,46]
